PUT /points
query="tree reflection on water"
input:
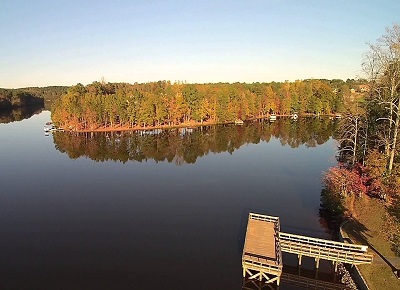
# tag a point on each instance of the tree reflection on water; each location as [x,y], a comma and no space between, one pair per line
[186,145]
[19,114]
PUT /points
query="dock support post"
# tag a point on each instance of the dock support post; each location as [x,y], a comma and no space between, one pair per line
[299,259]
[244,272]
[335,264]
[316,263]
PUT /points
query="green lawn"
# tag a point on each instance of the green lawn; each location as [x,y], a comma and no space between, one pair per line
[368,227]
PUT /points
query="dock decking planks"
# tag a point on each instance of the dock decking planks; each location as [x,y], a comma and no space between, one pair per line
[261,239]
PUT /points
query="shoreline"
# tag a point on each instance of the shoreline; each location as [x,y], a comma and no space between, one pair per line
[183,125]
[137,128]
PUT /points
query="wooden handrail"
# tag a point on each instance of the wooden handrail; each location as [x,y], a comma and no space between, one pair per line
[340,255]
[322,242]
[264,217]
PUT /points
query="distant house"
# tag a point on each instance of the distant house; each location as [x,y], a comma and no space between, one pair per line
[352,91]
[364,88]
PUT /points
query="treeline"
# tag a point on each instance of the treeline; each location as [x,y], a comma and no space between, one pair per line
[186,145]
[48,94]
[31,96]
[18,98]
[110,105]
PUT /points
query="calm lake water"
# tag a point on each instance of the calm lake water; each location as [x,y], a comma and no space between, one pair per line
[153,211]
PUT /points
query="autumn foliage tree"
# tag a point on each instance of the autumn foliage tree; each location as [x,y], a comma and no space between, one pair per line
[346,181]
[342,185]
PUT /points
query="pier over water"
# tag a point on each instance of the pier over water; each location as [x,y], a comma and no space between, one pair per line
[264,244]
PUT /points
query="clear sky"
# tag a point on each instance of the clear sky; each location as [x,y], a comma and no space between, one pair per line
[63,42]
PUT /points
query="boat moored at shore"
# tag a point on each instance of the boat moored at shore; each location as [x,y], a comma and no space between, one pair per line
[50,127]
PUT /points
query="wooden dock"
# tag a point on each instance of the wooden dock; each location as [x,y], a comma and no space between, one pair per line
[264,244]
[262,255]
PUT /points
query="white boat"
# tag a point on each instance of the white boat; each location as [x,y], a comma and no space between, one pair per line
[239,122]
[272,117]
[49,126]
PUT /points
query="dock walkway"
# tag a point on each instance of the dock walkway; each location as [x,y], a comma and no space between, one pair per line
[336,252]
[264,244]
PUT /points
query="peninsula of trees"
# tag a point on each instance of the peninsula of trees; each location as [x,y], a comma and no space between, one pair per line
[102,106]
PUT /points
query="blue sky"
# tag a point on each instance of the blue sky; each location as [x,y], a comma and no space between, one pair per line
[57,42]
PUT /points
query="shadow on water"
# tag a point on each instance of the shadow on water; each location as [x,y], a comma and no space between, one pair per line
[187,145]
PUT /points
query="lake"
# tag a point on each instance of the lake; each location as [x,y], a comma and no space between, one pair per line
[153,210]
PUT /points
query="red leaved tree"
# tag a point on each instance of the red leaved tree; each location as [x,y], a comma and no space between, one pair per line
[345,182]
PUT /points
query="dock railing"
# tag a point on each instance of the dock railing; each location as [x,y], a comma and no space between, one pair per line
[325,249]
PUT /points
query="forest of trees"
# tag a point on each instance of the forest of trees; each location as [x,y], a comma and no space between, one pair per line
[139,105]
[185,146]
[18,98]
[32,96]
